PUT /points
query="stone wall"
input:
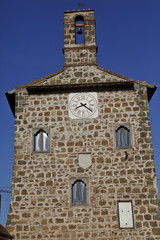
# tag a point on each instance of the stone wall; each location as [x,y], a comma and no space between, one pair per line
[78,54]
[89,28]
[41,205]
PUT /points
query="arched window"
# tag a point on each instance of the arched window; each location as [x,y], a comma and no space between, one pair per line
[40,141]
[123,137]
[78,192]
[79,30]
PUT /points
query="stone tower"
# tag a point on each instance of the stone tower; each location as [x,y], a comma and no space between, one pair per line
[83,161]
[85,52]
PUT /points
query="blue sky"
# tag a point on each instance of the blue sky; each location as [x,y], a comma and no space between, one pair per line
[31,42]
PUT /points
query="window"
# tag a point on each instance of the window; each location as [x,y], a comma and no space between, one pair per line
[79,30]
[41,141]
[125,214]
[78,192]
[123,137]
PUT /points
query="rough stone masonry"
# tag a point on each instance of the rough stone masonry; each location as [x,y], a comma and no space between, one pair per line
[43,205]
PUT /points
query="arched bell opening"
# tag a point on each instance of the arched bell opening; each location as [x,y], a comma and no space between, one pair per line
[79,30]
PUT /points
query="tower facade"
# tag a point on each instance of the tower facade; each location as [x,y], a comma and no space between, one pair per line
[83,162]
[79,49]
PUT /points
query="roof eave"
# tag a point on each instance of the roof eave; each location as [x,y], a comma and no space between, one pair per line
[89,87]
[151,91]
[11,100]
[4,233]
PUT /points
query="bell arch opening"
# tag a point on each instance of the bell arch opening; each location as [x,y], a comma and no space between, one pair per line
[79,29]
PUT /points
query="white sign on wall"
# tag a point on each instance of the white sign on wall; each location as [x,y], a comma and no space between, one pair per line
[125,213]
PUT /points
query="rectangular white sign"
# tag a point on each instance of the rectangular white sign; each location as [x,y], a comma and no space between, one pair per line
[125,213]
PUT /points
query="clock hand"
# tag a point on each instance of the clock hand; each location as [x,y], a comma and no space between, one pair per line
[82,105]
[87,108]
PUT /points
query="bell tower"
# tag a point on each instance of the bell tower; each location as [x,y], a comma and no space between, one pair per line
[83,155]
[80,47]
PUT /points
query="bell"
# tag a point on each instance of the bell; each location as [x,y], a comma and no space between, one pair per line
[79,31]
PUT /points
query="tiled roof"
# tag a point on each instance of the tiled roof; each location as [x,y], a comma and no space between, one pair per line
[36,82]
[41,79]
[115,74]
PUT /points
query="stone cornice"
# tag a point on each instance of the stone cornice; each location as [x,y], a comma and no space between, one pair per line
[85,87]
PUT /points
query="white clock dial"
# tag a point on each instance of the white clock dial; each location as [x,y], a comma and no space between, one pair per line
[83,105]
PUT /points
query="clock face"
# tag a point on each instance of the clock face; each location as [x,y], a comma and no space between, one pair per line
[83,105]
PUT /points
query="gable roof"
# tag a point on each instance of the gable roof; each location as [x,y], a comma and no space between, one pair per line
[38,81]
[38,85]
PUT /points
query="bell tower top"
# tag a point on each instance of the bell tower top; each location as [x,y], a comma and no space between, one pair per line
[79,38]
